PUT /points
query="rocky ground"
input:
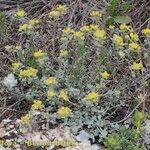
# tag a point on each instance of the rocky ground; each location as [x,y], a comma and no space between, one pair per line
[13,136]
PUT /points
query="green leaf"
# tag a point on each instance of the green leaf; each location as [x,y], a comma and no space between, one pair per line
[81,49]
[112,8]
[126,7]
[2,23]
[113,141]
[109,21]
[138,118]
[122,19]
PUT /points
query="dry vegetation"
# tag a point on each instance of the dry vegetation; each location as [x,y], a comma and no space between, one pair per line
[93,66]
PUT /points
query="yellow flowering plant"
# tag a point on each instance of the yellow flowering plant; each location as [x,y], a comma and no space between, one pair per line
[136,66]
[146,31]
[50,81]
[92,96]
[39,54]
[88,71]
[63,94]
[64,112]
[16,66]
[105,75]
[95,13]
[118,40]
[29,72]
[20,13]
[100,34]
[63,53]
[25,119]
[37,104]
[78,35]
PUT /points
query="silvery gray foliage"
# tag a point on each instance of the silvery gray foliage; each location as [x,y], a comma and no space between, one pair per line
[83,136]
[91,119]
[10,81]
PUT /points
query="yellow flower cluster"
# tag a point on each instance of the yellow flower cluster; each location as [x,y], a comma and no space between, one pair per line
[67,30]
[54,13]
[105,75]
[25,119]
[30,72]
[146,31]
[37,104]
[29,25]
[93,96]
[20,13]
[63,53]
[50,93]
[134,46]
[23,27]
[125,27]
[118,40]
[39,54]
[78,35]
[50,81]
[64,112]
[59,9]
[136,66]
[94,26]
[16,65]
[134,37]
[100,34]
[63,94]
[85,28]
[95,13]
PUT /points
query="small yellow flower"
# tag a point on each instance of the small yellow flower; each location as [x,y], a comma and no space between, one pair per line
[32,23]
[61,8]
[20,13]
[95,13]
[134,46]
[50,81]
[16,65]
[105,75]
[54,13]
[136,66]
[64,112]
[30,72]
[39,54]
[93,96]
[25,119]
[22,73]
[100,34]
[79,34]
[67,30]
[23,27]
[85,28]
[94,26]
[146,31]
[118,40]
[37,104]
[125,27]
[63,94]
[63,53]
[134,36]
[50,93]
